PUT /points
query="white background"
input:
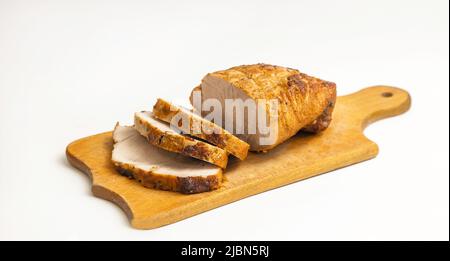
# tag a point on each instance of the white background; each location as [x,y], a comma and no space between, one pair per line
[69,69]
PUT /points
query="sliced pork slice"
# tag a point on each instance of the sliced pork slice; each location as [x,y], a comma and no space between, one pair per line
[199,127]
[304,102]
[156,168]
[161,135]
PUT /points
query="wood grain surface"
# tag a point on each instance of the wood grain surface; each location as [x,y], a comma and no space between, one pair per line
[301,157]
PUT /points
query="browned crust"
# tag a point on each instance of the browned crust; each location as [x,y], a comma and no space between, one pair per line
[182,144]
[185,185]
[165,111]
[304,101]
[323,121]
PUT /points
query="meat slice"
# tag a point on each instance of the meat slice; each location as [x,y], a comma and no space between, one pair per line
[156,168]
[303,102]
[161,135]
[199,127]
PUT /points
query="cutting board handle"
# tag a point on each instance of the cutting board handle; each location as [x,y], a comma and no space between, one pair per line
[377,102]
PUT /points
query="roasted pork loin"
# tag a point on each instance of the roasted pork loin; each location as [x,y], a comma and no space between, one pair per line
[303,102]
[159,134]
[156,168]
[193,124]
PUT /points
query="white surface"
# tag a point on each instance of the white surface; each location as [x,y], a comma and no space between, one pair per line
[69,69]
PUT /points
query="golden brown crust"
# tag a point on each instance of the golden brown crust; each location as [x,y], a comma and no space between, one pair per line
[303,99]
[324,120]
[185,185]
[197,126]
[181,144]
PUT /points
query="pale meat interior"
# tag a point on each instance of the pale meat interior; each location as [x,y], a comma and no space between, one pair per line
[133,149]
[216,88]
[147,116]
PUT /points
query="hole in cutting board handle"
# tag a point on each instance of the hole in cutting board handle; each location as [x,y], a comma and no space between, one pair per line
[387,94]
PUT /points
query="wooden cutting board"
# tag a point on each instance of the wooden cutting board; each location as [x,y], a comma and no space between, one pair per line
[301,157]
